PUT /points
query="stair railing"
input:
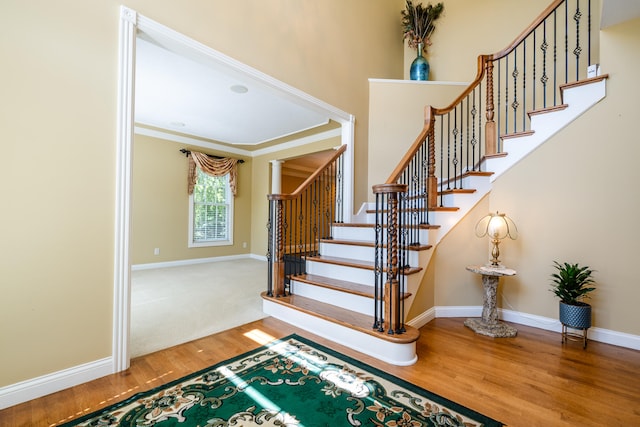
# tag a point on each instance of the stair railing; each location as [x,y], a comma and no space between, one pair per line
[510,85]
[298,221]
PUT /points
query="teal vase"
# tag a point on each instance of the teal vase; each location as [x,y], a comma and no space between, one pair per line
[419,67]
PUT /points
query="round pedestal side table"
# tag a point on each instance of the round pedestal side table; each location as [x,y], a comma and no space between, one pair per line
[489,324]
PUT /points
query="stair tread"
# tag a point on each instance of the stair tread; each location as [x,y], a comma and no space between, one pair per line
[351,319]
[370,244]
[517,134]
[368,225]
[339,285]
[551,109]
[433,209]
[356,263]
[457,191]
[476,173]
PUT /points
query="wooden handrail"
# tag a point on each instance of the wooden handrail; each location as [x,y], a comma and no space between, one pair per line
[311,178]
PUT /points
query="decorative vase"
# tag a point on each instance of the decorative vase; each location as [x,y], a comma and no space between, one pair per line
[419,67]
[575,316]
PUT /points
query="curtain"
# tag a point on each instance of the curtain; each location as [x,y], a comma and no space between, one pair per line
[213,167]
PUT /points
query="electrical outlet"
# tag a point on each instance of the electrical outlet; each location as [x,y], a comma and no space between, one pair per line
[244,244]
[156,251]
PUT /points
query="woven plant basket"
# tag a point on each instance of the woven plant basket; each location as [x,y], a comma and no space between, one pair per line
[576,316]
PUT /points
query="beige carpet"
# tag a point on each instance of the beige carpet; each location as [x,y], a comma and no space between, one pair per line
[174,305]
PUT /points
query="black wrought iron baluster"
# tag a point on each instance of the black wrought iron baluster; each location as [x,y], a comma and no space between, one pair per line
[474,140]
[589,32]
[480,125]
[441,180]
[468,150]
[498,96]
[340,194]
[524,85]
[403,264]
[377,263]
[544,78]
[566,41]
[454,159]
[533,78]
[270,242]
[578,49]
[449,151]
[555,57]
[515,104]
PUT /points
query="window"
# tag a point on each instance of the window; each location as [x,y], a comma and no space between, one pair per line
[211,211]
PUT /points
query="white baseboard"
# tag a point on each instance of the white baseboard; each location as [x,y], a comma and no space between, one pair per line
[51,383]
[606,336]
[422,319]
[193,261]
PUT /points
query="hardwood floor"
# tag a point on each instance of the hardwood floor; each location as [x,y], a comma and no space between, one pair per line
[530,380]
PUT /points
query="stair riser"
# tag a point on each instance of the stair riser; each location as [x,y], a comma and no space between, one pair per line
[364,253]
[361,276]
[341,272]
[368,234]
[341,299]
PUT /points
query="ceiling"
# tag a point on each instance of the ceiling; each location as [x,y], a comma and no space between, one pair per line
[189,95]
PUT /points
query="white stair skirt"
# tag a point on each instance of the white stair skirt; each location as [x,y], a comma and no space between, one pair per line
[400,354]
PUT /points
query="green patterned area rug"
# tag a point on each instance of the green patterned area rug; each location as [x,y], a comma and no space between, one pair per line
[289,382]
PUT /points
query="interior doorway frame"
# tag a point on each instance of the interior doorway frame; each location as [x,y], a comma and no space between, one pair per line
[131,23]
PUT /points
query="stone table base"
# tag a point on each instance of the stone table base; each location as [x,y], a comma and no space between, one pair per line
[495,330]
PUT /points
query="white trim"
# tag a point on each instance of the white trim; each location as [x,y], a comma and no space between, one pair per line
[607,336]
[130,21]
[421,82]
[51,383]
[139,130]
[193,261]
[422,319]
[297,142]
[124,153]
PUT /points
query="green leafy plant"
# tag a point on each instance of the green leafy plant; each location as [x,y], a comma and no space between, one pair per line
[418,23]
[572,282]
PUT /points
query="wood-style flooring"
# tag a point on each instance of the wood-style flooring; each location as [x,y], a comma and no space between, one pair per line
[530,380]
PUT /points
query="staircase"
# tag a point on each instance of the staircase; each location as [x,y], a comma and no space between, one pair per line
[336,295]
[334,299]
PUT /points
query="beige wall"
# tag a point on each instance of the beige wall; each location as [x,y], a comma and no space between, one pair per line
[160,205]
[58,118]
[396,117]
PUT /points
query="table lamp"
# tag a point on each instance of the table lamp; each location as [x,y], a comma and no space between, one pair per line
[497,226]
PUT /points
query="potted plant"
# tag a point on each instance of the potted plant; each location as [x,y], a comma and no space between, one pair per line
[572,283]
[418,24]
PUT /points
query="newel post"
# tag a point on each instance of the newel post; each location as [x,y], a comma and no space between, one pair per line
[490,126]
[390,296]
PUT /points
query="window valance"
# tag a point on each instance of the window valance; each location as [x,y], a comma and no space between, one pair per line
[212,166]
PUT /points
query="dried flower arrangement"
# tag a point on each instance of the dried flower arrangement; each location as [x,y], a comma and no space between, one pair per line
[418,23]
